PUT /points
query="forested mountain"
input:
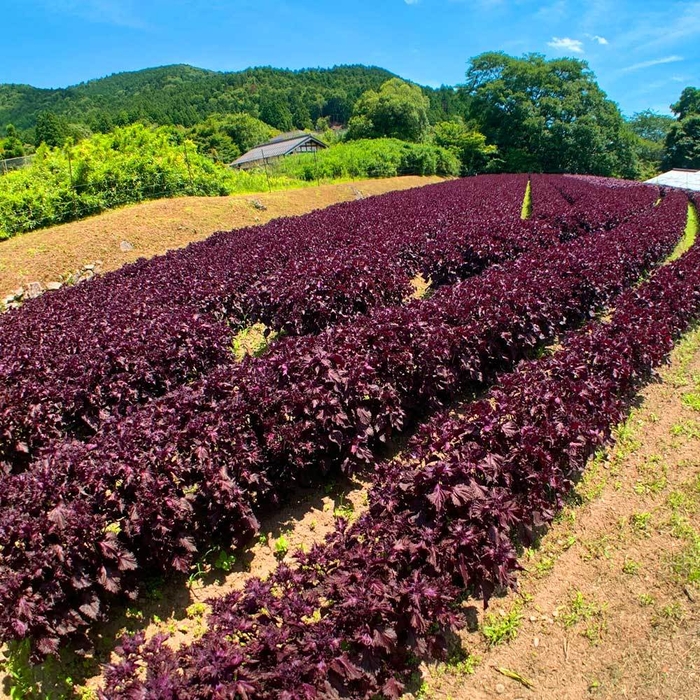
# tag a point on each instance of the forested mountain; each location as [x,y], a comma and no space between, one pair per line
[183,95]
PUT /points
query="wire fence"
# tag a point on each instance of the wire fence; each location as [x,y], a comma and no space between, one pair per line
[8,164]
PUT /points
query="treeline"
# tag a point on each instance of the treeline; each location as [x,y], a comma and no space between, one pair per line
[185,96]
[525,114]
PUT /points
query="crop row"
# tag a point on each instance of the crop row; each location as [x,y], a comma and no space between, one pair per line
[351,617]
[197,466]
[72,359]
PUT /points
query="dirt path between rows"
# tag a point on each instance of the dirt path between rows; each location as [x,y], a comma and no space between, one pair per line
[152,228]
[610,604]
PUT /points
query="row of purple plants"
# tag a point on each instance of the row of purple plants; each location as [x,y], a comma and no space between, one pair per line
[350,618]
[196,467]
[72,359]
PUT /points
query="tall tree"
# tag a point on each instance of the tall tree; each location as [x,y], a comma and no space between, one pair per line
[548,115]
[466,142]
[397,110]
[50,129]
[688,103]
[650,130]
[683,139]
[11,146]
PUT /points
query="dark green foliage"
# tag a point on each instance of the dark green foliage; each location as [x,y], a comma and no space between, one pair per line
[650,130]
[466,143]
[651,126]
[688,103]
[371,158]
[397,110]
[548,115]
[683,139]
[683,144]
[223,137]
[183,95]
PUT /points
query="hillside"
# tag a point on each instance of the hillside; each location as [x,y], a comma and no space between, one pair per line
[186,95]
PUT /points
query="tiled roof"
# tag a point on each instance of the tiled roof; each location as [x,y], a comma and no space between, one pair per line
[274,149]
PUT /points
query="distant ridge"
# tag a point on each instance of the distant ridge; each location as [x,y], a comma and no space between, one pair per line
[184,95]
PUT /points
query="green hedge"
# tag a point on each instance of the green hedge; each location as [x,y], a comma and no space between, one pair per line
[370,158]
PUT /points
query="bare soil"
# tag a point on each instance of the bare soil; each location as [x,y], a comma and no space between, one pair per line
[153,228]
[606,608]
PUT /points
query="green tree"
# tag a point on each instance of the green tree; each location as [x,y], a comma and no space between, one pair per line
[224,137]
[683,144]
[683,139]
[650,130]
[11,146]
[275,111]
[50,129]
[397,110]
[650,125]
[468,144]
[548,115]
[688,103]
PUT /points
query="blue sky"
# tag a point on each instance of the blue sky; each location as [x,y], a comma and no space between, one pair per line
[643,53]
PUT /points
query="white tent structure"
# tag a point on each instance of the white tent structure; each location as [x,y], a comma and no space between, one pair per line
[685,179]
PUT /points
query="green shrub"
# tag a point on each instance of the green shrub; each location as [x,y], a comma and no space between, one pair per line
[370,158]
[131,164]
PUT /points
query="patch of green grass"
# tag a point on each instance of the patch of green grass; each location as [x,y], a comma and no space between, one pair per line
[690,234]
[672,612]
[501,628]
[526,211]
[281,546]
[640,523]
[686,564]
[683,355]
[254,340]
[596,548]
[344,509]
[645,600]
[654,477]
[691,400]
[686,428]
[463,664]
[18,671]
[589,613]
[631,567]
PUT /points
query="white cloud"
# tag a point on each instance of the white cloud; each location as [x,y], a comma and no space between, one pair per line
[566,44]
[654,62]
[601,40]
